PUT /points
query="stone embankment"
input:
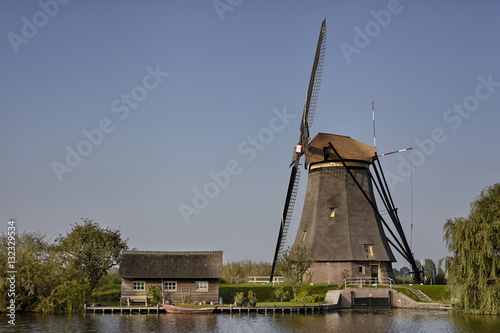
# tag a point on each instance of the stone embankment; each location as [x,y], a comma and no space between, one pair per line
[380,297]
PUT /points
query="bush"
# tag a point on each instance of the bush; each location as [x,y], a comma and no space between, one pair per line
[281,293]
[154,292]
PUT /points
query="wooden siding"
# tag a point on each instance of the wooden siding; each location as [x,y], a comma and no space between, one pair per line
[184,287]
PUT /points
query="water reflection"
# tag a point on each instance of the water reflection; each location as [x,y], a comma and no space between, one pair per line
[386,320]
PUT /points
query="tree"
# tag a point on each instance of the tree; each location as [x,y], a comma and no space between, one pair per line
[441,275]
[429,269]
[474,268]
[280,292]
[294,265]
[37,271]
[239,271]
[88,251]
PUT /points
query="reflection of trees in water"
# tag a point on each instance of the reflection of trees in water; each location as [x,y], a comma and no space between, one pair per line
[355,321]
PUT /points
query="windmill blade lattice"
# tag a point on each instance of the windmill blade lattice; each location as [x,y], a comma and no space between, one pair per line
[303,145]
[316,75]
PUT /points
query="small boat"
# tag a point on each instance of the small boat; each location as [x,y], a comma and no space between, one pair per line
[188,309]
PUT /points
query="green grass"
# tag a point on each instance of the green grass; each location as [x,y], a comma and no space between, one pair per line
[265,292]
[438,293]
[408,293]
[107,295]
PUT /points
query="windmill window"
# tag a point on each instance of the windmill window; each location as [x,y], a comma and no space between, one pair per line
[304,236]
[332,212]
[362,269]
[368,249]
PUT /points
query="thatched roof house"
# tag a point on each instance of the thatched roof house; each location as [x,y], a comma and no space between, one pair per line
[179,274]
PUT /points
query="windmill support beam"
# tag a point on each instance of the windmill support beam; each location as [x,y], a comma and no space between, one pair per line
[397,249]
[395,218]
[364,194]
[402,249]
[391,210]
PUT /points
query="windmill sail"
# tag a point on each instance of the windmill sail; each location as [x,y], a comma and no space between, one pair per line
[303,145]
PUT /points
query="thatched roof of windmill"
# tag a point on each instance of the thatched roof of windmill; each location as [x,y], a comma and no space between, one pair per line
[349,149]
[171,265]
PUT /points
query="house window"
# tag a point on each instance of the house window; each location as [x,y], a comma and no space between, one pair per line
[362,269]
[201,286]
[138,285]
[332,212]
[368,249]
[170,286]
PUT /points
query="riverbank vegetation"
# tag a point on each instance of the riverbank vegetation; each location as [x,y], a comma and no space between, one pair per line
[308,294]
[474,266]
[60,276]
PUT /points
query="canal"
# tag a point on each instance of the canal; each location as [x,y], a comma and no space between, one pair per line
[383,320]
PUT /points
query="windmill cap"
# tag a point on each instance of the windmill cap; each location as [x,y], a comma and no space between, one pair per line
[349,149]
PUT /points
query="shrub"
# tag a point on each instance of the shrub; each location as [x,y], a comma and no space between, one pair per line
[154,292]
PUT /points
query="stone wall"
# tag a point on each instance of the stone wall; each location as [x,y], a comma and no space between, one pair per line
[331,272]
[395,299]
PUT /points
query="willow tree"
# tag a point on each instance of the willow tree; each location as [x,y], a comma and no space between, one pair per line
[474,267]
[36,275]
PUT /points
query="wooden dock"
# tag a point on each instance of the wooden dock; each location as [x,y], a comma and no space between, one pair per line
[124,309]
[228,309]
[276,309]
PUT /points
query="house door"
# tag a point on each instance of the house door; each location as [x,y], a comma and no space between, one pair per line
[374,269]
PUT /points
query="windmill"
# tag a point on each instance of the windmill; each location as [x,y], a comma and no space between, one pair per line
[341,227]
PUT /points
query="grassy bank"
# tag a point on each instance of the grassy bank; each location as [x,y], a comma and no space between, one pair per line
[107,295]
[438,293]
[265,292]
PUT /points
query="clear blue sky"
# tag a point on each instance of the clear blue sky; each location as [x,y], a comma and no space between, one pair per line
[99,69]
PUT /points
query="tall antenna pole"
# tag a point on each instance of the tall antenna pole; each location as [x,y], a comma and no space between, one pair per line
[373,116]
[411,202]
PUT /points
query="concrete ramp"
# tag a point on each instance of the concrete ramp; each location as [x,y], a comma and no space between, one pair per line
[333,297]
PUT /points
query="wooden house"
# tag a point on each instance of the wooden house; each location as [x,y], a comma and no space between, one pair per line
[181,275]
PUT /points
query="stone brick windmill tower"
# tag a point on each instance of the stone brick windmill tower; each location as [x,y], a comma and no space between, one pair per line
[341,227]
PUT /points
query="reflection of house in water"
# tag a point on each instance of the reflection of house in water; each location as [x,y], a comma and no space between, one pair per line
[168,323]
[193,274]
